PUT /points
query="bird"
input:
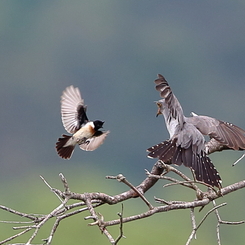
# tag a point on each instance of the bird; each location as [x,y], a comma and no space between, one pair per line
[186,144]
[85,133]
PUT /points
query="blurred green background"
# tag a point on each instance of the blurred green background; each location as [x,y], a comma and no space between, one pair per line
[113,50]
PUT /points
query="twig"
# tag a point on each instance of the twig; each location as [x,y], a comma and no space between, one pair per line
[120,228]
[220,221]
[18,213]
[65,183]
[47,184]
[50,215]
[15,236]
[238,160]
[194,230]
[193,220]
[97,221]
[159,200]
[122,179]
[187,181]
[64,216]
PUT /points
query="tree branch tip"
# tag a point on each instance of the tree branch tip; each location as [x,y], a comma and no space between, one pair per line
[63,178]
[90,217]
[159,200]
[61,175]
[119,177]
[232,222]
[94,223]
[238,160]
[45,239]
[110,177]
[23,227]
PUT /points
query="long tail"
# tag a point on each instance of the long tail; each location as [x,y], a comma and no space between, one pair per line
[170,153]
[63,150]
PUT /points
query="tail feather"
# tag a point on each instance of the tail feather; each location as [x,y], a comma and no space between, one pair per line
[170,153]
[205,171]
[63,150]
[163,151]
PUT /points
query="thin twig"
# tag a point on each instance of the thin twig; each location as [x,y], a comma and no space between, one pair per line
[194,230]
[238,160]
[122,179]
[193,220]
[121,227]
[65,183]
[47,184]
[220,221]
[50,215]
[15,236]
[10,210]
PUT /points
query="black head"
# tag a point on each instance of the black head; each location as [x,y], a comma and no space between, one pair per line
[98,124]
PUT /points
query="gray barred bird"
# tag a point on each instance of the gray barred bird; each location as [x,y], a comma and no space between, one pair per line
[186,144]
[85,133]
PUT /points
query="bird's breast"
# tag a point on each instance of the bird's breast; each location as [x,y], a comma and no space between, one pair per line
[83,134]
[171,126]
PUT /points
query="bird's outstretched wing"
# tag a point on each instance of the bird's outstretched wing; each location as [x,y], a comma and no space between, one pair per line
[93,143]
[228,135]
[171,108]
[73,110]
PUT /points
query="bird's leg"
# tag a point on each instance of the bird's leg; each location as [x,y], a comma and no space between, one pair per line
[81,141]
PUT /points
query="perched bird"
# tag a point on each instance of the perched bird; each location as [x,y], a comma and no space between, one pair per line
[85,133]
[187,144]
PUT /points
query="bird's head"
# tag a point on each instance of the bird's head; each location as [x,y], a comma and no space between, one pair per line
[98,124]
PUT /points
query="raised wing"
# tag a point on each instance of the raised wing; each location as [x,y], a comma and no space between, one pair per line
[93,143]
[171,108]
[227,134]
[73,110]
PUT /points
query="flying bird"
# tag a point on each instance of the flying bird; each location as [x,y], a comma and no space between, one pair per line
[186,144]
[85,133]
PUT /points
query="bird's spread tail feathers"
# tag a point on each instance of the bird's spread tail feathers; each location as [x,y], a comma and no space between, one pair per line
[64,151]
[204,170]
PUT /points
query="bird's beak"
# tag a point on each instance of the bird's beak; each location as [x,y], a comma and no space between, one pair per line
[159,107]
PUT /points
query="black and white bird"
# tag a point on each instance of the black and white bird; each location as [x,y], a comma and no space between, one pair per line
[85,133]
[186,144]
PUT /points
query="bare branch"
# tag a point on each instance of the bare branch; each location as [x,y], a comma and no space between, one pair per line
[90,201]
[238,160]
[220,221]
[122,179]
[17,213]
[15,236]
[195,228]
[121,227]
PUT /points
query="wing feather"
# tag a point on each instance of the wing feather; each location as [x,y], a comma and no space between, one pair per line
[227,134]
[73,110]
[93,143]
